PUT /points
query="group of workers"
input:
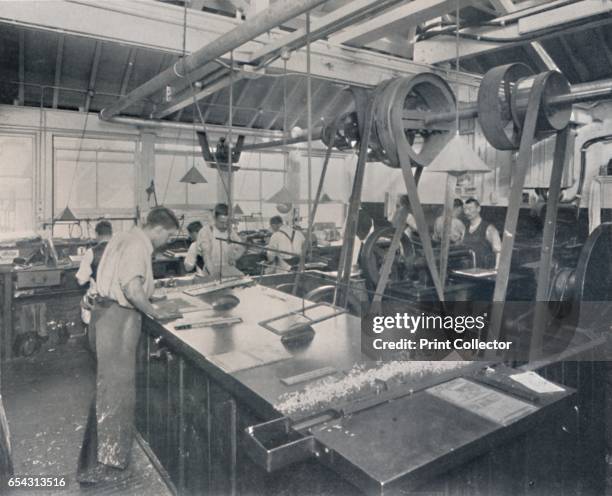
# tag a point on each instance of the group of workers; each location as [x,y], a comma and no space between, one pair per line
[120,271]
[476,234]
[216,248]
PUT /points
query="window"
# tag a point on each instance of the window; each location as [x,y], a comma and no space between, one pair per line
[94,176]
[16,183]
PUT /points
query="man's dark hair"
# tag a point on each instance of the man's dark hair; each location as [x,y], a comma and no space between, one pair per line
[472,200]
[104,228]
[194,227]
[277,220]
[457,203]
[221,209]
[164,217]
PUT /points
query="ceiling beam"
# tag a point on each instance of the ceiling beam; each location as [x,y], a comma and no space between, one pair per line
[410,14]
[58,70]
[542,25]
[185,97]
[344,16]
[507,7]
[127,72]
[21,91]
[272,90]
[93,74]
[157,25]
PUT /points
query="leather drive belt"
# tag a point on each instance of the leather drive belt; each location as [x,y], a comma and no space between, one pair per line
[528,137]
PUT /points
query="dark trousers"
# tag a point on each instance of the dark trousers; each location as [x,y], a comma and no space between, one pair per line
[109,432]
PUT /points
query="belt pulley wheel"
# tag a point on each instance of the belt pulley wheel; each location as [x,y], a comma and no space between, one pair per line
[494,105]
[550,118]
[410,101]
[375,250]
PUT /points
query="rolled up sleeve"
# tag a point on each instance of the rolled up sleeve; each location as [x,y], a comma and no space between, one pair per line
[131,265]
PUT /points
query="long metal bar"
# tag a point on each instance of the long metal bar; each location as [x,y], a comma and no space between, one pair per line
[579,93]
[185,126]
[451,184]
[250,29]
[309,114]
[316,134]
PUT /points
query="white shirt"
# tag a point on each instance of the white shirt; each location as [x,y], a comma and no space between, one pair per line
[126,257]
[191,259]
[217,253]
[287,240]
[84,273]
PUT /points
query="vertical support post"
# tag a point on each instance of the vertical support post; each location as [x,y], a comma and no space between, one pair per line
[451,184]
[309,113]
[230,182]
[146,169]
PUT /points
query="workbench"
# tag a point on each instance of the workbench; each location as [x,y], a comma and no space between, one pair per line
[217,430]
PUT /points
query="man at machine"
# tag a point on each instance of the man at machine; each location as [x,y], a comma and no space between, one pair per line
[220,256]
[194,261]
[285,244]
[125,285]
[481,236]
[457,229]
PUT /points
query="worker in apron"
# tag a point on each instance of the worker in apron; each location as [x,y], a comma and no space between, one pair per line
[87,272]
[220,256]
[285,244]
[125,285]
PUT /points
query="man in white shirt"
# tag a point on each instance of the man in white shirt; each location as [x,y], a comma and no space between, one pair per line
[125,286]
[192,259]
[219,256]
[457,230]
[286,240]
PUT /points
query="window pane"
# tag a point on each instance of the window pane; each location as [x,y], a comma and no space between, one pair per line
[169,169]
[16,191]
[74,185]
[114,193]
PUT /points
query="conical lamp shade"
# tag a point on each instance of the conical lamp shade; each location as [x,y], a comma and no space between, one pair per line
[457,157]
[281,196]
[193,176]
[238,210]
[325,198]
[66,216]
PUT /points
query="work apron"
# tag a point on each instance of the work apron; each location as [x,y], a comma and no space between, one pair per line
[109,432]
